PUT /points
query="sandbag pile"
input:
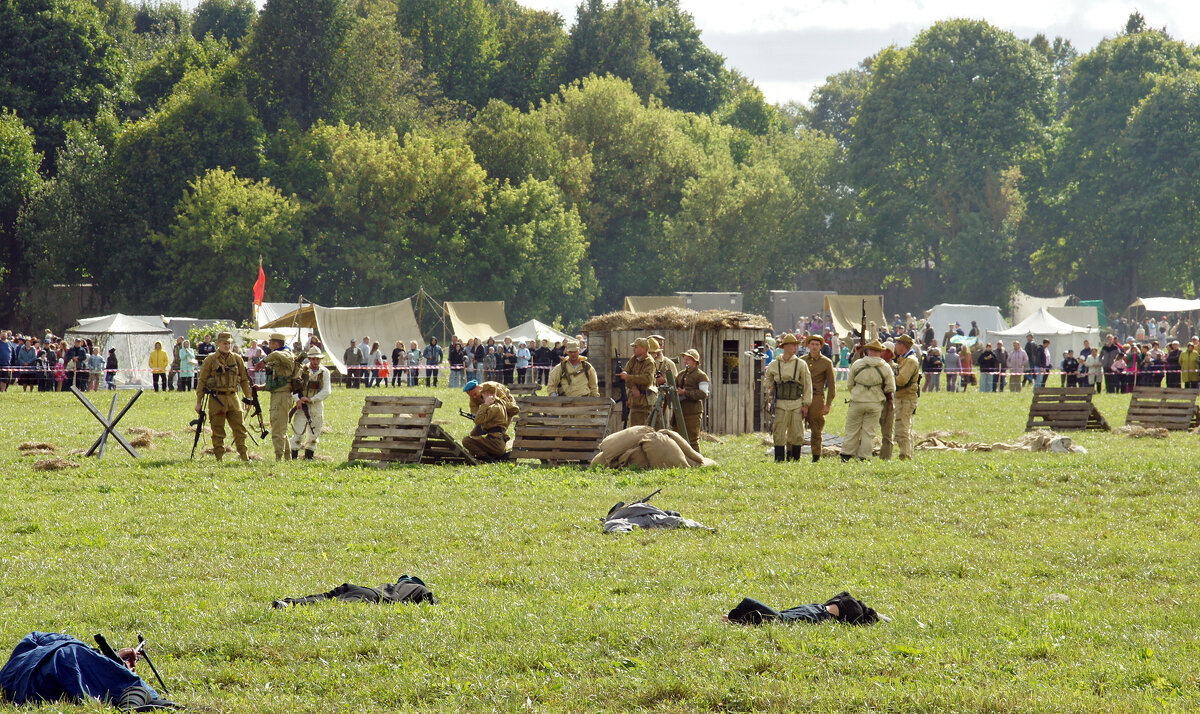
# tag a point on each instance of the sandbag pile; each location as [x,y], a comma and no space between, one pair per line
[1134,431]
[643,447]
[1041,440]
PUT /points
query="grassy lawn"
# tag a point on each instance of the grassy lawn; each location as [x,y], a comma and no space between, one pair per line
[541,611]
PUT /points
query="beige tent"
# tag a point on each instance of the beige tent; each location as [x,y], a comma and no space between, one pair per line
[846,311]
[298,317]
[1080,315]
[382,323]
[650,303]
[1026,306]
[477,319]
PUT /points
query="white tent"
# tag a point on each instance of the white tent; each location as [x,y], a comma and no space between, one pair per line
[133,339]
[476,319]
[533,332]
[988,317]
[1044,326]
[1082,315]
[382,323]
[1025,305]
[1166,304]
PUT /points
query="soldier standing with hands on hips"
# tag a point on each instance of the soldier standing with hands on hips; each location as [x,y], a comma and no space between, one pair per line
[694,387]
[787,386]
[221,376]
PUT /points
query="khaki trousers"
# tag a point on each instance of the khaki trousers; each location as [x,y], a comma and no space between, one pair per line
[486,445]
[861,420]
[887,419]
[905,408]
[789,427]
[692,422]
[816,424]
[281,404]
[639,416]
[222,408]
[302,433]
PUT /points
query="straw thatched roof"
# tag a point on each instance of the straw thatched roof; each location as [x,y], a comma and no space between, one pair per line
[676,318]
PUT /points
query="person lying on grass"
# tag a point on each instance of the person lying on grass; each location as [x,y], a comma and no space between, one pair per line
[408,588]
[842,607]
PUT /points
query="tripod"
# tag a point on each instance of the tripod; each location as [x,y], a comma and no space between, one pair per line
[658,415]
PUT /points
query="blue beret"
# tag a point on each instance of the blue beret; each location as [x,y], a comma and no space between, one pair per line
[470,385]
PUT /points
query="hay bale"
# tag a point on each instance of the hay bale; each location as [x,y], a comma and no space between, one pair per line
[35,446]
[55,464]
[142,441]
[1134,431]
[38,452]
[153,433]
[675,318]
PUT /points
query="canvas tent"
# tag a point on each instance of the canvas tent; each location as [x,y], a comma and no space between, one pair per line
[711,301]
[133,339]
[650,303]
[477,319]
[1042,325]
[1080,315]
[1166,304]
[846,311]
[382,323]
[1025,305]
[987,317]
[788,306]
[296,317]
[271,311]
[533,332]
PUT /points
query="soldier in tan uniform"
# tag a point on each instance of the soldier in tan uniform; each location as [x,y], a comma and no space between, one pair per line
[908,390]
[638,376]
[221,375]
[280,366]
[488,440]
[316,384]
[574,376]
[871,383]
[694,388]
[820,371]
[787,386]
[887,418]
[665,373]
[478,392]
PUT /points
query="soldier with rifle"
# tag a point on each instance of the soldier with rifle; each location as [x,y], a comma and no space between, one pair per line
[639,377]
[871,383]
[221,376]
[789,384]
[309,413]
[281,367]
[479,391]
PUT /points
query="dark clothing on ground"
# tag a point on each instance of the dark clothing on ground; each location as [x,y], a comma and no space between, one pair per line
[851,611]
[49,666]
[407,589]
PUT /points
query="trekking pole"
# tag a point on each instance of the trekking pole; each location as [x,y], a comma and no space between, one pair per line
[141,651]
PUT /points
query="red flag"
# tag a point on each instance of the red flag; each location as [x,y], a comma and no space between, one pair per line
[260,285]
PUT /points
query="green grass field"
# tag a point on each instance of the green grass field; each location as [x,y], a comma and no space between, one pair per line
[541,611]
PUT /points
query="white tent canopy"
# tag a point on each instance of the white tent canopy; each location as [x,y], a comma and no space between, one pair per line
[477,319]
[988,317]
[1166,304]
[533,332]
[270,311]
[1044,326]
[1082,315]
[382,323]
[1025,305]
[133,340]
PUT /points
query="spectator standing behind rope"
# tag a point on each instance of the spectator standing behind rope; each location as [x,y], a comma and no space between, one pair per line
[158,366]
[953,367]
[95,369]
[433,355]
[1189,364]
[543,358]
[458,353]
[399,361]
[524,359]
[187,367]
[1018,363]
[932,366]
[352,357]
[173,375]
[110,368]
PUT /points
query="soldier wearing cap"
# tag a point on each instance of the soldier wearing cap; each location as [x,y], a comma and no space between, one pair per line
[787,387]
[309,415]
[694,388]
[221,376]
[887,418]
[280,366]
[665,372]
[908,389]
[871,383]
[574,376]
[820,370]
[478,392]
[638,376]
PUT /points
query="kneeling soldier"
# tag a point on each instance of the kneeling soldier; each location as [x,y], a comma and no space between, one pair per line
[694,388]
[488,440]
[221,375]
[309,416]
[478,391]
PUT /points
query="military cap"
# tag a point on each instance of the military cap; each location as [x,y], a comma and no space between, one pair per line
[278,336]
[874,345]
[889,346]
[315,352]
[788,339]
[904,339]
[660,338]
[470,385]
[570,346]
[224,337]
[640,342]
[693,354]
[652,345]
[814,338]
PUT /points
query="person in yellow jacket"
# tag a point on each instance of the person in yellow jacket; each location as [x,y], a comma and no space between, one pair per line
[1189,364]
[787,389]
[159,361]
[574,376]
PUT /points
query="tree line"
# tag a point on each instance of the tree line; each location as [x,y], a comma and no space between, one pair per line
[484,150]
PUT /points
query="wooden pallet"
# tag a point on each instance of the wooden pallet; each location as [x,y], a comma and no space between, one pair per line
[559,430]
[1064,409]
[527,390]
[1156,407]
[400,430]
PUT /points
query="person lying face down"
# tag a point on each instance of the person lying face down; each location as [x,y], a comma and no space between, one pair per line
[842,607]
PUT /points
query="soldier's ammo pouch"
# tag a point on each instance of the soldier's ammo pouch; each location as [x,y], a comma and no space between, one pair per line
[791,388]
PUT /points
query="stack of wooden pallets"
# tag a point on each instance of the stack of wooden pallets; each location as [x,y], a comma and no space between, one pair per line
[1064,409]
[1156,407]
[560,430]
[400,430]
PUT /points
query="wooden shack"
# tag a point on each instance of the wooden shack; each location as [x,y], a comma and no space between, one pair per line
[730,346]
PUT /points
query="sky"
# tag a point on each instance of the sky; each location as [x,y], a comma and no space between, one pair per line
[789,47]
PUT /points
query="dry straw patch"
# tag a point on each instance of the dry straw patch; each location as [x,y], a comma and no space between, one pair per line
[55,464]
[676,318]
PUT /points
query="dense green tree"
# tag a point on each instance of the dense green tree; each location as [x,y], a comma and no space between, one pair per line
[616,40]
[155,81]
[934,141]
[747,109]
[19,163]
[293,60]
[57,65]
[697,80]
[160,18]
[1061,56]
[531,61]
[832,105]
[458,44]
[223,225]
[228,20]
